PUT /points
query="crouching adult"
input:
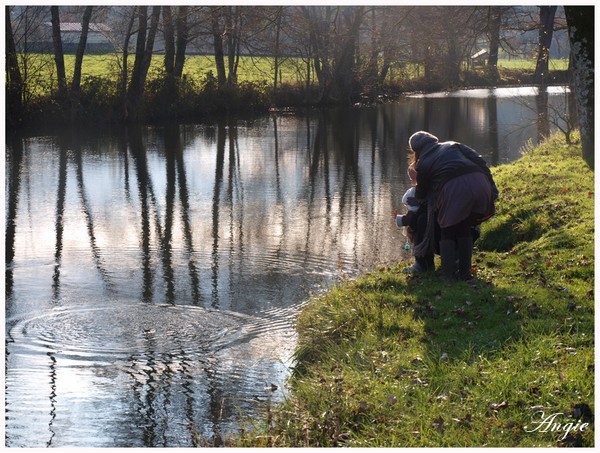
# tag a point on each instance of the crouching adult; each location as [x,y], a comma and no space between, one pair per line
[460,192]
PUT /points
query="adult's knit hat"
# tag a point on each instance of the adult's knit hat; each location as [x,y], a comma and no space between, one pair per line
[419,141]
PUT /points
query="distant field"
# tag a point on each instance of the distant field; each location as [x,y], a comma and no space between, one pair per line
[253,69]
[555,65]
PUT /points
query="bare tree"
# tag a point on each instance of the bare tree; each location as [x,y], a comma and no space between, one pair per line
[85,25]
[444,42]
[175,32]
[59,57]
[226,28]
[143,57]
[14,82]
[493,26]
[169,37]
[27,24]
[278,19]
[125,66]
[318,22]
[391,46]
[181,41]
[217,33]
[545,32]
[388,42]
[333,35]
[233,25]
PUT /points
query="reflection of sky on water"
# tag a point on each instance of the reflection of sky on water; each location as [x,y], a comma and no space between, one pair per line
[503,92]
[241,218]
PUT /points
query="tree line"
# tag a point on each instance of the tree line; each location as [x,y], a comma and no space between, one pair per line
[347,51]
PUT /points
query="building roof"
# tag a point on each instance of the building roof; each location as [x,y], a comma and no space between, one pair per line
[480,54]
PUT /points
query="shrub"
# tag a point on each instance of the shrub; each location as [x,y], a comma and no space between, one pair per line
[99,98]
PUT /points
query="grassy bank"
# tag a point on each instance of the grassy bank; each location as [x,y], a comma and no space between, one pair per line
[390,360]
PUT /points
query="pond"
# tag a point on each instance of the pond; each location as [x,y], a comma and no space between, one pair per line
[153,274]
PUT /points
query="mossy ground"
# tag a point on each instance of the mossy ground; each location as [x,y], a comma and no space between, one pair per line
[390,360]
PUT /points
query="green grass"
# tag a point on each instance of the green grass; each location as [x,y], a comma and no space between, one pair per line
[251,69]
[561,64]
[292,71]
[390,360]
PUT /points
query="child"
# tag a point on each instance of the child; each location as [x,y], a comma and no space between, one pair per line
[415,221]
[410,201]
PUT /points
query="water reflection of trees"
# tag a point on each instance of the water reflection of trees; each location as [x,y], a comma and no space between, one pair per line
[59,224]
[176,183]
[70,149]
[138,154]
[14,155]
[88,215]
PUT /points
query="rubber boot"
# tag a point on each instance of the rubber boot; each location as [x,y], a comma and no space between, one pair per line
[429,263]
[448,253]
[465,255]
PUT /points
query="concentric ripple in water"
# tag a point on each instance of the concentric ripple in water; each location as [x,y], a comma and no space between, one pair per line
[116,332]
[168,368]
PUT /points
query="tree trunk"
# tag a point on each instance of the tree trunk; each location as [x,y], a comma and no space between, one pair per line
[181,29]
[276,51]
[169,90]
[125,73]
[14,82]
[580,24]
[150,42]
[372,69]
[176,38]
[546,30]
[345,63]
[143,57]
[494,20]
[169,37]
[452,72]
[218,45]
[85,25]
[232,20]
[385,67]
[428,66]
[134,83]
[319,36]
[59,57]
